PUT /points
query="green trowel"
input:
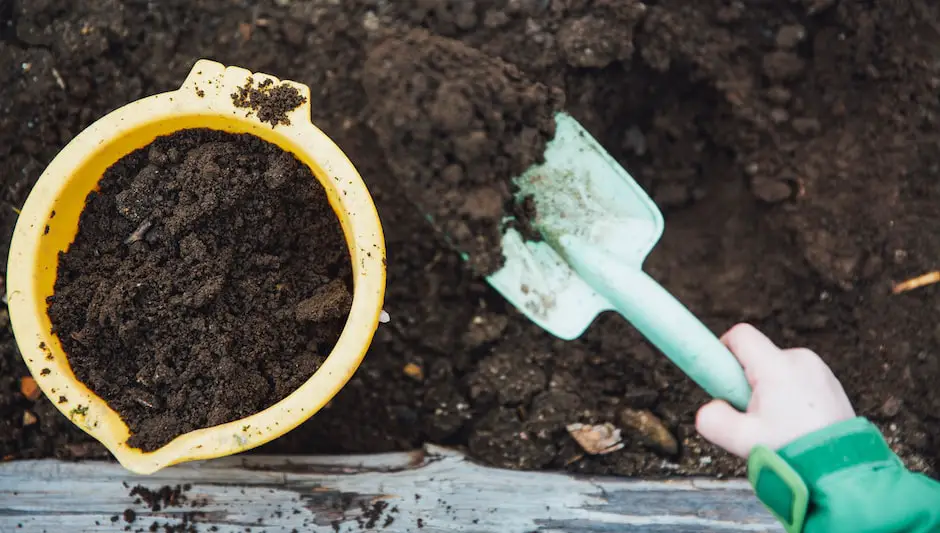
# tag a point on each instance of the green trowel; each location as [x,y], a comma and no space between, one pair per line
[598,226]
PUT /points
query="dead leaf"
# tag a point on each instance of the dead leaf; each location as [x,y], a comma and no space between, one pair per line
[29,388]
[596,440]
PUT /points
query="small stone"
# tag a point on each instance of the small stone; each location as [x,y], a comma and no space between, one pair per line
[596,440]
[414,372]
[650,430]
[899,256]
[370,21]
[789,36]
[891,407]
[29,418]
[30,389]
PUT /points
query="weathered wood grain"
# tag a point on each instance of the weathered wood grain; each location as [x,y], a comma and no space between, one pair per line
[427,491]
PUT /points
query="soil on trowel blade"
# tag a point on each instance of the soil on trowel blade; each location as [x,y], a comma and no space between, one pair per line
[791,146]
[208,280]
[456,126]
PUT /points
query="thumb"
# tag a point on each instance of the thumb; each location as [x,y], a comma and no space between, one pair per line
[726,427]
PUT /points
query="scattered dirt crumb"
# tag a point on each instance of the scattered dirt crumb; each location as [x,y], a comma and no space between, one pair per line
[271,102]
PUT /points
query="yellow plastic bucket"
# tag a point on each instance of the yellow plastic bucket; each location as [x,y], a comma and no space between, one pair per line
[48,224]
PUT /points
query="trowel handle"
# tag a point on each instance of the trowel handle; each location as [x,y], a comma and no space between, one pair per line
[682,337]
[668,324]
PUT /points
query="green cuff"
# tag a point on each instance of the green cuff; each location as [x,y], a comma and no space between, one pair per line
[779,487]
[784,480]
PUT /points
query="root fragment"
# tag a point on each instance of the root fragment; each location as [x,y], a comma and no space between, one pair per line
[917,282]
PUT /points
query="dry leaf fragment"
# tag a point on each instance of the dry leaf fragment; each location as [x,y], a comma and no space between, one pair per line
[596,440]
[29,388]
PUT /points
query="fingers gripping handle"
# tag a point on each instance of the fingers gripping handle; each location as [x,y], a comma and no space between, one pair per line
[662,319]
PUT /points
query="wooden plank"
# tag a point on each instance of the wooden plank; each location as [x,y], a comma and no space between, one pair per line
[426,491]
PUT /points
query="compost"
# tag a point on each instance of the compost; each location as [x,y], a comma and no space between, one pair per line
[791,146]
[272,102]
[208,280]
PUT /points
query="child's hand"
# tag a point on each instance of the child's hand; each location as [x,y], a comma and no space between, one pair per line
[794,394]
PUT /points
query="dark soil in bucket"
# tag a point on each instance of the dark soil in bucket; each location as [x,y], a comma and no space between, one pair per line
[208,280]
[791,145]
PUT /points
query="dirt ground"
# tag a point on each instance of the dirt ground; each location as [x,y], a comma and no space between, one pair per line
[791,145]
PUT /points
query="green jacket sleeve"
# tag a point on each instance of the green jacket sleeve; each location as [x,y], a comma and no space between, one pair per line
[844,479]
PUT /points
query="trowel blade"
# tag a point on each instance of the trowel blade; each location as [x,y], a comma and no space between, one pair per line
[579,190]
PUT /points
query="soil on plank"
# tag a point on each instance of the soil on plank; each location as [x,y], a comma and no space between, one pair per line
[788,144]
[208,280]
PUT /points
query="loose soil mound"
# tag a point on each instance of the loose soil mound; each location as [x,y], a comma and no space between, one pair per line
[208,280]
[791,146]
[456,125]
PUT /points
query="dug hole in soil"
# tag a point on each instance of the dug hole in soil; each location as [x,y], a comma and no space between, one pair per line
[789,145]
